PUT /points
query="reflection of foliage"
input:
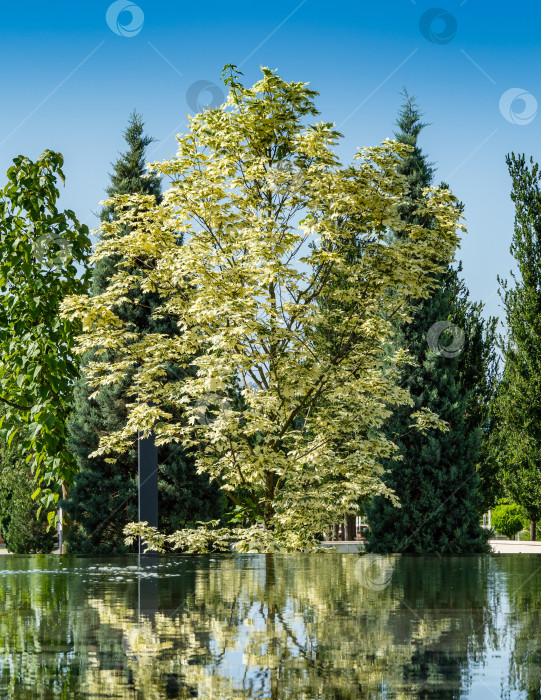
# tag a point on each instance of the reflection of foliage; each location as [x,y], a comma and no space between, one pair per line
[266,626]
[520,576]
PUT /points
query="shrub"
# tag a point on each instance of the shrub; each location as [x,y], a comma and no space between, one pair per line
[508,519]
[22,531]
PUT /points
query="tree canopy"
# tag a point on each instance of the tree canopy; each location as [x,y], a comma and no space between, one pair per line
[517,414]
[43,250]
[268,215]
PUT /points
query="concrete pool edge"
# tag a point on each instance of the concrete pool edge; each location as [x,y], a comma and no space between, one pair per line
[497,547]
[353,547]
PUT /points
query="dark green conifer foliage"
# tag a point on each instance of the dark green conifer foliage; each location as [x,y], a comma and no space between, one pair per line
[435,479]
[415,167]
[103,498]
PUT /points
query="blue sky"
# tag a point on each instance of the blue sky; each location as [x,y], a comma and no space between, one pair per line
[70,79]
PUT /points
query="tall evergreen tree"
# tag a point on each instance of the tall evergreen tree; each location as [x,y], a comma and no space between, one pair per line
[516,442]
[435,476]
[478,373]
[103,498]
[416,167]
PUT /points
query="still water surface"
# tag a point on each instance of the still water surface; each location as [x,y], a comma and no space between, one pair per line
[271,626]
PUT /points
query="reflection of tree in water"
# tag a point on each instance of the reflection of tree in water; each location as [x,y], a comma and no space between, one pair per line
[448,621]
[266,626]
[36,629]
[303,627]
[520,574]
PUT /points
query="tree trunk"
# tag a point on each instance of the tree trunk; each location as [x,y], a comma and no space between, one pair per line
[349,522]
[533,527]
[335,532]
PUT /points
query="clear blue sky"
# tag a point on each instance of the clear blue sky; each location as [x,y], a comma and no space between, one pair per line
[70,79]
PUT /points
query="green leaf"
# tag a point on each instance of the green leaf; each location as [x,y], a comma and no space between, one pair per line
[11,435]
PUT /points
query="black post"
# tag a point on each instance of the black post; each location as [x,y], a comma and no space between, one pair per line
[148,482]
[148,587]
[148,512]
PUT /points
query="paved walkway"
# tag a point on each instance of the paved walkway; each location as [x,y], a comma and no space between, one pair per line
[3,550]
[498,547]
[514,547]
[345,547]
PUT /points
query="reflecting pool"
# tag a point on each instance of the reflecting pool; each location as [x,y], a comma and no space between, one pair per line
[301,626]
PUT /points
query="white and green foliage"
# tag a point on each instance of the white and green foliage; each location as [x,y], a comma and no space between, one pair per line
[303,443]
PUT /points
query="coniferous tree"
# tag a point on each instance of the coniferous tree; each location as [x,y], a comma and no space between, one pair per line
[435,476]
[516,440]
[478,372]
[103,498]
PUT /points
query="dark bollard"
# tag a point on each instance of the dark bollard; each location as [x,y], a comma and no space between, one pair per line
[148,512]
[148,586]
[148,482]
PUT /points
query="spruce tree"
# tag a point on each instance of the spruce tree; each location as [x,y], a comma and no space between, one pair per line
[103,498]
[434,476]
[478,373]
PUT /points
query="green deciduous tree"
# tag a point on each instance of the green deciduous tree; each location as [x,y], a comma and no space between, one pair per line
[517,438]
[269,216]
[104,499]
[41,247]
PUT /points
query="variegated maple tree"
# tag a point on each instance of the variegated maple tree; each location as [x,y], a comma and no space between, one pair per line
[275,261]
